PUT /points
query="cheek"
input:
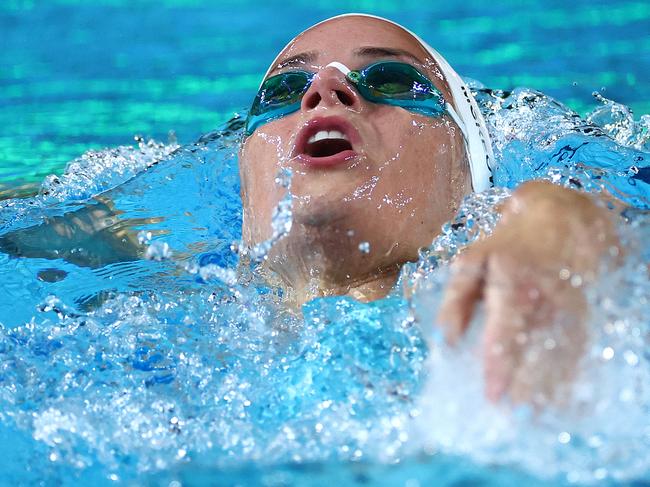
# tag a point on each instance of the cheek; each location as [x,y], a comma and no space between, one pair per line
[420,179]
[268,144]
[265,152]
[400,134]
[418,150]
[260,162]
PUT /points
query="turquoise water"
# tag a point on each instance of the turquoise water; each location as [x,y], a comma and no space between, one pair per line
[140,353]
[146,353]
[77,75]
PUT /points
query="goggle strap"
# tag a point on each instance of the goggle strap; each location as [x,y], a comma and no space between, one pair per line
[452,113]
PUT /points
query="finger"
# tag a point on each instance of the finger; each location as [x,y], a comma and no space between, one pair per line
[464,290]
[553,350]
[504,324]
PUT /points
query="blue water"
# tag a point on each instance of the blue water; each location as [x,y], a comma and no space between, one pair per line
[148,356]
[78,75]
[148,352]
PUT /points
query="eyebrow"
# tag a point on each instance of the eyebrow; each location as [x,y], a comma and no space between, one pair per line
[299,59]
[366,51]
[374,51]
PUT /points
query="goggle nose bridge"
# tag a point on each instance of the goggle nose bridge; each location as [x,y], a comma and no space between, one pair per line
[341,67]
[352,76]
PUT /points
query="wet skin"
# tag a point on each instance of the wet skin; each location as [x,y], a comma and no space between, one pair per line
[404,178]
[93,236]
[407,178]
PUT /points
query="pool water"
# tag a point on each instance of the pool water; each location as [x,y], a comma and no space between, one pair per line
[79,75]
[153,353]
[174,364]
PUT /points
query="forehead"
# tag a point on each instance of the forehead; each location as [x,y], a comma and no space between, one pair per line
[340,37]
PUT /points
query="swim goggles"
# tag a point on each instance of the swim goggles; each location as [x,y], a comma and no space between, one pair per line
[386,82]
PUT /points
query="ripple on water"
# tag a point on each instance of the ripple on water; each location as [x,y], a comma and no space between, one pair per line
[190,363]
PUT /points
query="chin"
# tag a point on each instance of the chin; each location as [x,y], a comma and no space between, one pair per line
[320,211]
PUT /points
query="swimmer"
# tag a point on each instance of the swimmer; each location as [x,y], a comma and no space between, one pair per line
[384,141]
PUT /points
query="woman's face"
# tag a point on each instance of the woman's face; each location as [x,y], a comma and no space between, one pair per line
[396,180]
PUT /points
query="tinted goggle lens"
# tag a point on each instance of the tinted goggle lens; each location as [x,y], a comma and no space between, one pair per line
[279,96]
[396,81]
[391,83]
[281,90]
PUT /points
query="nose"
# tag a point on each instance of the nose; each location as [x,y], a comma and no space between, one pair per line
[330,88]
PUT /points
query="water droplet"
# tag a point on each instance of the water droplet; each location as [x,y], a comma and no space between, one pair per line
[144,237]
[283,178]
[158,251]
[549,344]
[595,441]
[608,353]
[600,473]
[626,395]
[289,433]
[631,358]
[576,280]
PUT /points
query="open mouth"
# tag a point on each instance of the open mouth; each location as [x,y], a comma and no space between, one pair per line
[326,141]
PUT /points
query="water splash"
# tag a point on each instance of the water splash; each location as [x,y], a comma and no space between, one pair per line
[617,120]
[148,367]
[281,219]
[599,432]
[98,171]
[535,136]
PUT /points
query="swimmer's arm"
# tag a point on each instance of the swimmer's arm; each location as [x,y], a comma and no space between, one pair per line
[92,236]
[530,273]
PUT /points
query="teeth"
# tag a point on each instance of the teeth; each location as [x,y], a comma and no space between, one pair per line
[324,134]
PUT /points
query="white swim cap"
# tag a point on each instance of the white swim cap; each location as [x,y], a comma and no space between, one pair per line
[472,123]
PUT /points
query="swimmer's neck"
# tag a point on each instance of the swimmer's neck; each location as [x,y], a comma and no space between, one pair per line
[365,289]
[325,260]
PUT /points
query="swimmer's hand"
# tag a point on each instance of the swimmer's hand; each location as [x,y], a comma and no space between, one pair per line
[530,273]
